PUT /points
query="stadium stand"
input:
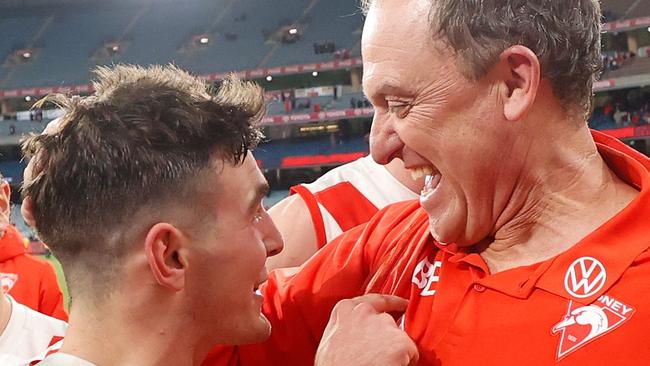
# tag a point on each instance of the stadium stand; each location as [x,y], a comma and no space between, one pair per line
[640,8]
[630,67]
[302,152]
[245,34]
[619,9]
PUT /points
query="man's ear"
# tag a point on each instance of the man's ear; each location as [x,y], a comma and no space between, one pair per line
[5,199]
[27,210]
[162,248]
[520,72]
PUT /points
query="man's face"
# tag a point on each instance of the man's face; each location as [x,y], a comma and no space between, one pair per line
[228,253]
[432,117]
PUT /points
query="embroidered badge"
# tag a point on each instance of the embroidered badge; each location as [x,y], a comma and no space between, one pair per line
[585,277]
[7,281]
[582,324]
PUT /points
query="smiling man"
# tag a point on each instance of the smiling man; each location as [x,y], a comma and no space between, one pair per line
[148,195]
[529,244]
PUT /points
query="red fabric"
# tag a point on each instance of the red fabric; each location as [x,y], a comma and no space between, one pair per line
[343,201]
[459,313]
[32,281]
[314,212]
[347,205]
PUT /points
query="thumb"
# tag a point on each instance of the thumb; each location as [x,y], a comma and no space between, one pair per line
[383,303]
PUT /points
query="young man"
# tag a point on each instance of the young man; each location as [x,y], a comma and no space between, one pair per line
[147,193]
[530,241]
[29,280]
[343,198]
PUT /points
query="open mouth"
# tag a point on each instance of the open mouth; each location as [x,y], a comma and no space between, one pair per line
[432,178]
[256,288]
[420,171]
[431,182]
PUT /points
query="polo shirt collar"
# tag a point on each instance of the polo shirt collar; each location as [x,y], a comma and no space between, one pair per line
[612,248]
[616,244]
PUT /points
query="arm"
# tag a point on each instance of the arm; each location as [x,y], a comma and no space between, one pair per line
[298,305]
[292,218]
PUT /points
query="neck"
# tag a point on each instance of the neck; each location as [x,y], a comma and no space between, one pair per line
[137,333]
[565,192]
[5,312]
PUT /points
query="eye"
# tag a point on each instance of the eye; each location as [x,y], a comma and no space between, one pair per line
[399,108]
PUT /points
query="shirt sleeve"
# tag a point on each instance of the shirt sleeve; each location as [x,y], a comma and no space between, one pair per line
[298,303]
[51,298]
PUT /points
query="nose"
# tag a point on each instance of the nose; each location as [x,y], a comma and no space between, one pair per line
[273,241]
[385,144]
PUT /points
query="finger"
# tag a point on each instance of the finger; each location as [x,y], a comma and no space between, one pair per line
[414,355]
[383,303]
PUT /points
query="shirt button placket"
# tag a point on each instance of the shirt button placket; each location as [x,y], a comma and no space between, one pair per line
[478,287]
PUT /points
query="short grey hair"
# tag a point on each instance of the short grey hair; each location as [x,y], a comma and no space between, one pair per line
[564,34]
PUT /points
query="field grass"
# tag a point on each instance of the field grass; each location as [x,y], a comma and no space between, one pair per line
[61,278]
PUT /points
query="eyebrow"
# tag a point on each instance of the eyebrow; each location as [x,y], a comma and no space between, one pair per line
[261,191]
[388,88]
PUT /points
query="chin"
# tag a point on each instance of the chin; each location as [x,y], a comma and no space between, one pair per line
[444,230]
[258,331]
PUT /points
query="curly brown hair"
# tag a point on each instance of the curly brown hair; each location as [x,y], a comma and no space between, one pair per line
[145,136]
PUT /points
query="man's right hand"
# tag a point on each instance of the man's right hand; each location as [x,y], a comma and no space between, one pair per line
[361,332]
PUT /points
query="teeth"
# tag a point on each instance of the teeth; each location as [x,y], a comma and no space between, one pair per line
[419,172]
[258,292]
[427,185]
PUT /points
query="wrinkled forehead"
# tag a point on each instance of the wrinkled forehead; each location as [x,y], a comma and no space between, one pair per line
[397,44]
[399,24]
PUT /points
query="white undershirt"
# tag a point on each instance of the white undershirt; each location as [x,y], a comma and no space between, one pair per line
[64,359]
[28,334]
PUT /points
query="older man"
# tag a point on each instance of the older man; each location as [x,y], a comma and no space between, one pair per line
[531,242]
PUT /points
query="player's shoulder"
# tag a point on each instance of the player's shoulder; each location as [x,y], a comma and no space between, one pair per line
[399,220]
[35,263]
[400,212]
[363,167]
[39,323]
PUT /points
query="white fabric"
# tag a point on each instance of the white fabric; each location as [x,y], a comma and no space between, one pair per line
[27,334]
[64,359]
[53,348]
[371,179]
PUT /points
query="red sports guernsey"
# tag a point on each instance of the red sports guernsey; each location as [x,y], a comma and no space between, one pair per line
[29,280]
[348,196]
[586,306]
